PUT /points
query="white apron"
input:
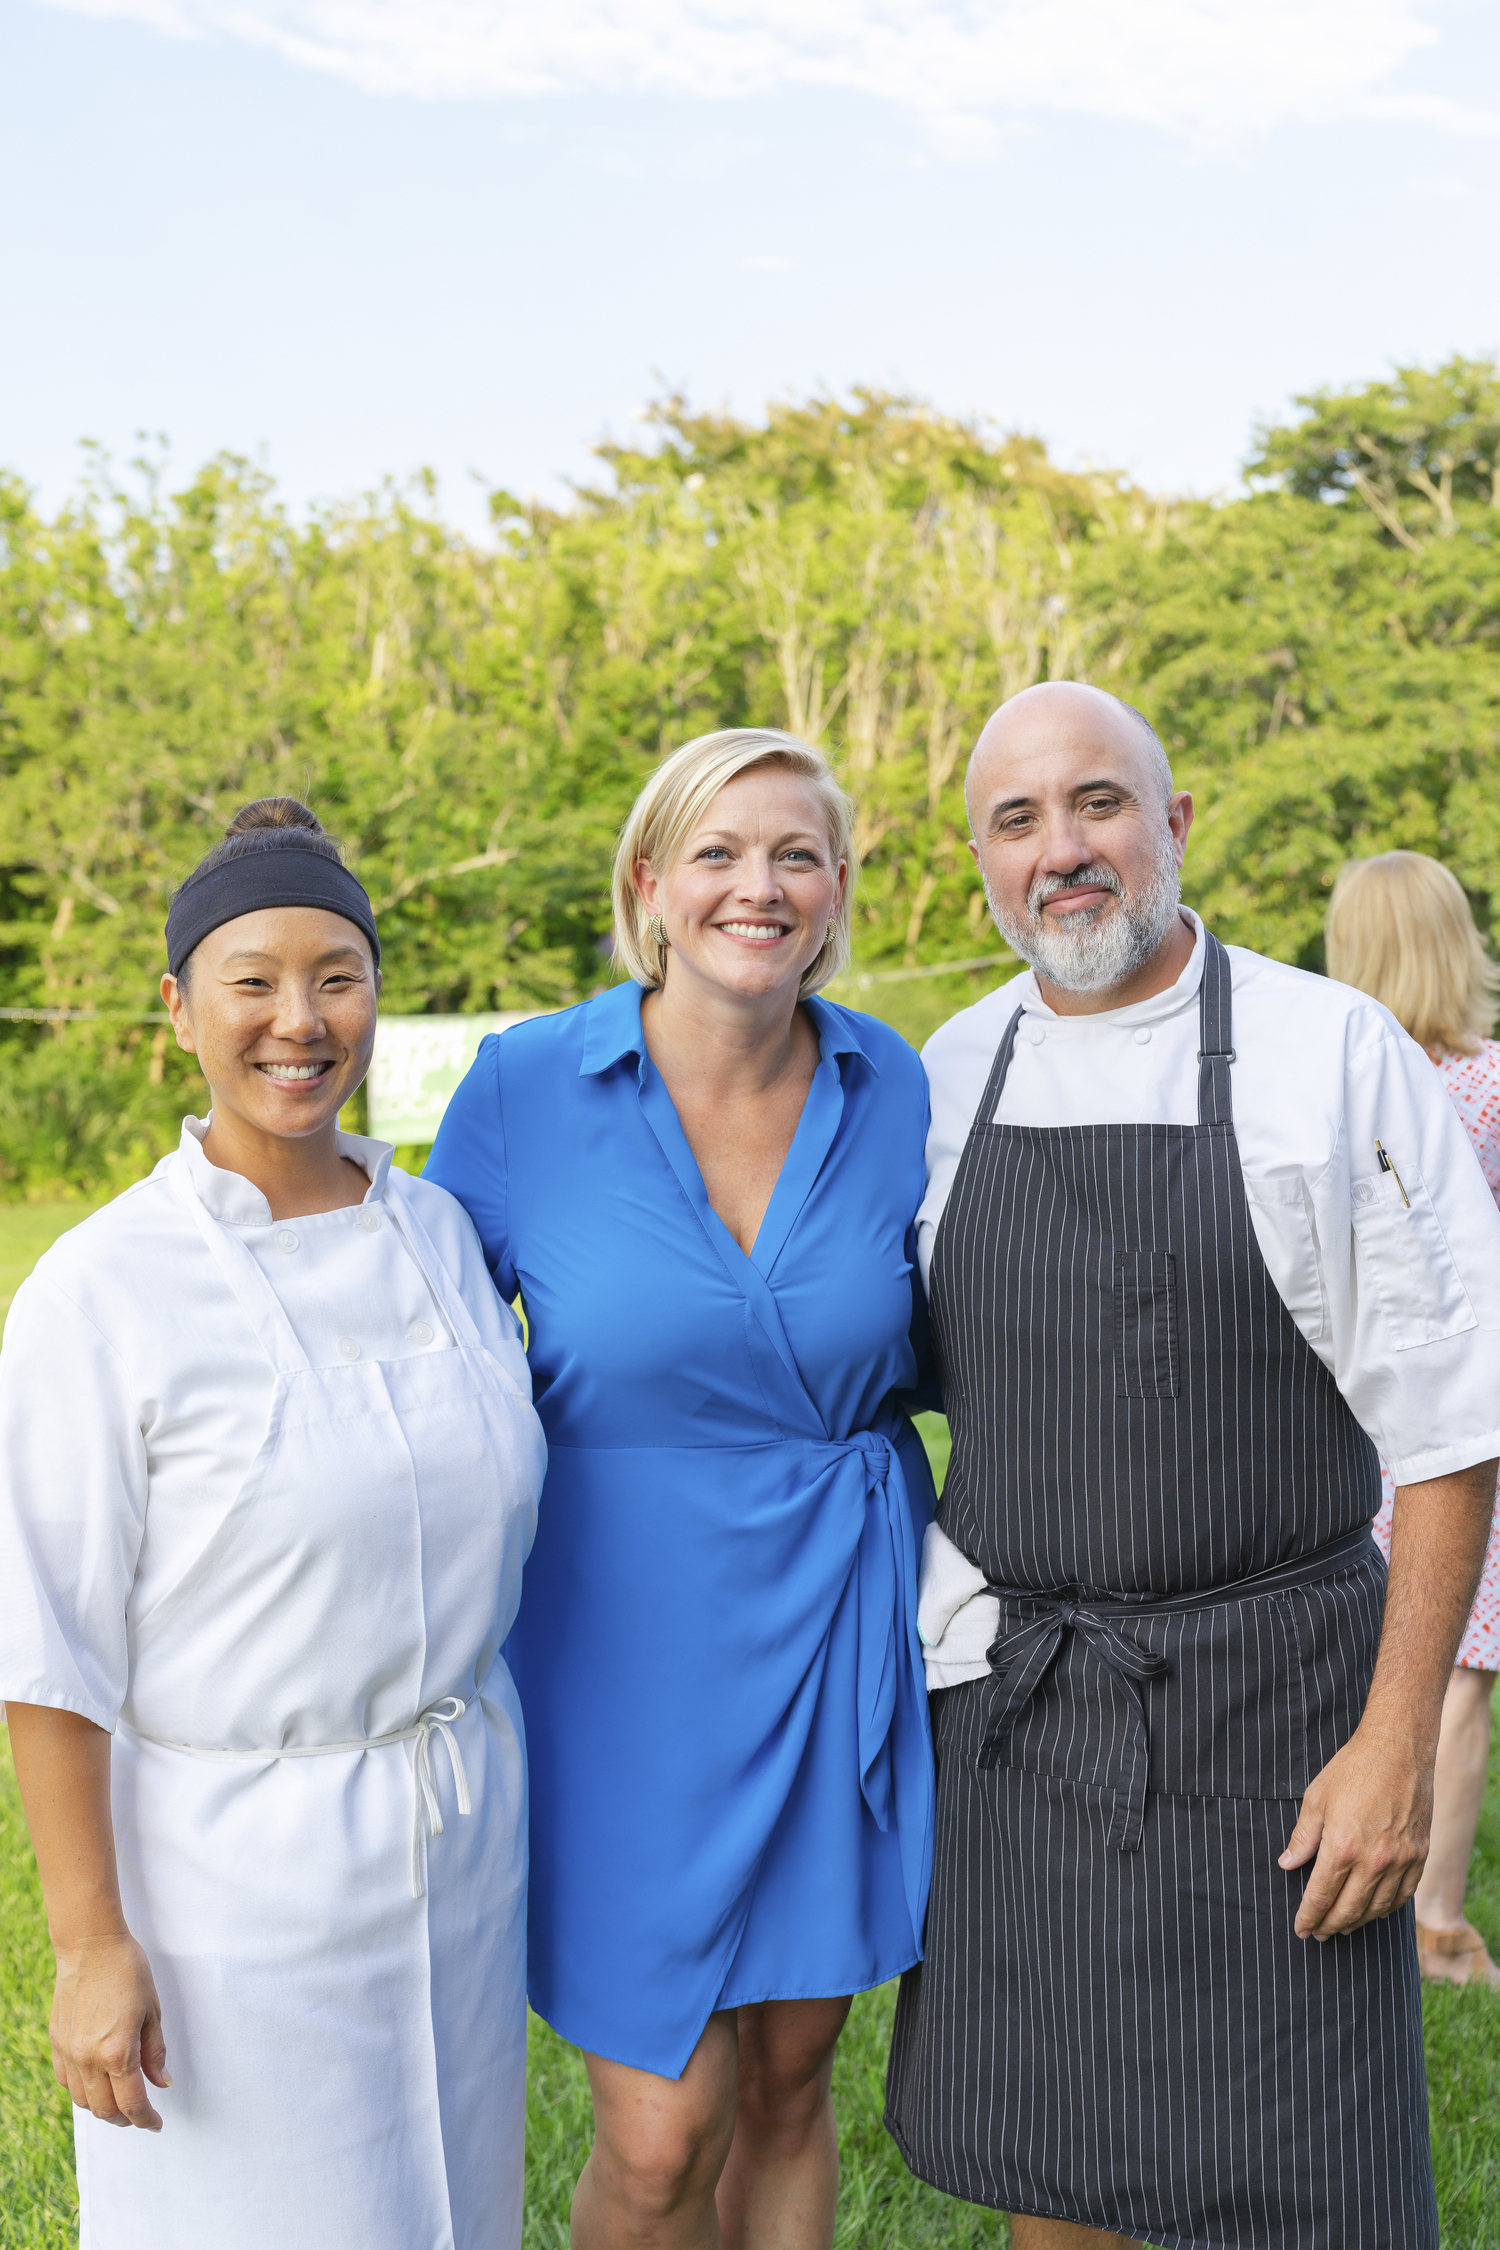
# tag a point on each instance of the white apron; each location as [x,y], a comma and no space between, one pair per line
[334,1914]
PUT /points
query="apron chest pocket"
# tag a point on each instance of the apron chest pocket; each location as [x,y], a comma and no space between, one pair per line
[1145,1326]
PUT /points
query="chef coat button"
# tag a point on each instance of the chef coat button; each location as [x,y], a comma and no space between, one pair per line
[419,1332]
[286,1240]
[1035,1034]
[1143,1037]
[370,1221]
[348,1349]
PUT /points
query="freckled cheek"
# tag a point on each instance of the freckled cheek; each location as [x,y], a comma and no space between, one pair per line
[225,1047]
[353,1025]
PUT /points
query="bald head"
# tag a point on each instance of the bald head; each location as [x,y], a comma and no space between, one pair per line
[1065,717]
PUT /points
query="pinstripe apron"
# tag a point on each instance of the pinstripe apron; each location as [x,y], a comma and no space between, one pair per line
[1115,2022]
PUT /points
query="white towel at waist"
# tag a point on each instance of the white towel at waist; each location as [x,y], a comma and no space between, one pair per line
[957,1616]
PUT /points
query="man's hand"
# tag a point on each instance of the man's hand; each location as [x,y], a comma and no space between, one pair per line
[1366,1821]
[106,2030]
[1367,1817]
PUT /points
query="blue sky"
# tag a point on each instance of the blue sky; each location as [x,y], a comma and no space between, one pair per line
[356,237]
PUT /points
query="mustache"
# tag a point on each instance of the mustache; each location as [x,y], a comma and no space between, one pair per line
[1098,873]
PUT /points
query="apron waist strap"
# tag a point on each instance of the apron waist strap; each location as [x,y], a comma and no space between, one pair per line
[1301,1570]
[427,1816]
[1024,1651]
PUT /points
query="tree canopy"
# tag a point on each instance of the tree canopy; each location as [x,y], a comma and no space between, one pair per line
[1321,658]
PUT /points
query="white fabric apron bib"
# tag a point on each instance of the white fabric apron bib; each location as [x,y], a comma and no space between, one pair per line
[335,1917]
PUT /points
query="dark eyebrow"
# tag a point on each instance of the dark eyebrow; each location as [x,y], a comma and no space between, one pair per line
[1009,805]
[253,953]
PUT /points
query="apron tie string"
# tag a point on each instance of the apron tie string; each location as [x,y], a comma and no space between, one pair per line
[438,1719]
[426,1812]
[1021,1659]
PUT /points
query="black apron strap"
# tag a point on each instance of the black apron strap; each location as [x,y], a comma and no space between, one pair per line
[994,1085]
[1215,1036]
[988,1101]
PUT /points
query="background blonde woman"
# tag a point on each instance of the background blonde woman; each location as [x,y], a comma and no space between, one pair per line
[1399,928]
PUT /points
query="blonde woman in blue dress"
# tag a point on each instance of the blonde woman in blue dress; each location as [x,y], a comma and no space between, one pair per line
[703,1185]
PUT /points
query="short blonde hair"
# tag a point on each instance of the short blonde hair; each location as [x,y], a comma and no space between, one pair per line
[670,807]
[1399,928]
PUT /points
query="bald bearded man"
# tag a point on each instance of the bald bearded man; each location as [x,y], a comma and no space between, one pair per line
[1202,1232]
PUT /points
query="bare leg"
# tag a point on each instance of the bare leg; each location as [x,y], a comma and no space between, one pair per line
[780,2187]
[659,2147]
[1458,1790]
[1061,2234]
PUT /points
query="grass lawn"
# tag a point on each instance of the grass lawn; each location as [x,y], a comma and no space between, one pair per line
[880,2207]
[26,1230]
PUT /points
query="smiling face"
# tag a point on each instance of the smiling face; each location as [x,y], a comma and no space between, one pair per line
[279,1008]
[748,899]
[1078,835]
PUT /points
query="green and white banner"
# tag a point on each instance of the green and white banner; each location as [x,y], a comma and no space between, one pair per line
[418,1063]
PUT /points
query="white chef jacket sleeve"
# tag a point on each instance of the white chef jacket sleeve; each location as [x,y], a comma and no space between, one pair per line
[1415,1326]
[73,1482]
[457,1243]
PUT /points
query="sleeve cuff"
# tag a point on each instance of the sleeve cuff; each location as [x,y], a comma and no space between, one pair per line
[1444,1460]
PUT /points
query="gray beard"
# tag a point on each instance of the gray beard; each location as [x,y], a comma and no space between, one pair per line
[1097,946]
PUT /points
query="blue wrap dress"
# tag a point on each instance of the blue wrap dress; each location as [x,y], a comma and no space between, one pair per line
[716,1649]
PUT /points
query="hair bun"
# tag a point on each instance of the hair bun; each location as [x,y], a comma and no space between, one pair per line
[271,813]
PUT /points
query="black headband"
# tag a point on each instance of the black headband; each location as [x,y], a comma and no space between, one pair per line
[279,874]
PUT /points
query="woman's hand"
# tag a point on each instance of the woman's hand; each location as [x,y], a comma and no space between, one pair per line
[106,2030]
[106,2018]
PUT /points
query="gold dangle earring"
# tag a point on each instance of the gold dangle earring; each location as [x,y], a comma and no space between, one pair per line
[656,930]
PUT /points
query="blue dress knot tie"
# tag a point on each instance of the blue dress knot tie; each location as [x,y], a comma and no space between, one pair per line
[886,1563]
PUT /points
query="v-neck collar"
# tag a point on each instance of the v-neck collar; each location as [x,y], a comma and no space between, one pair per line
[613,1032]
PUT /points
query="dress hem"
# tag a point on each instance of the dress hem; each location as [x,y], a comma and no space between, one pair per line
[839,1992]
[722,2007]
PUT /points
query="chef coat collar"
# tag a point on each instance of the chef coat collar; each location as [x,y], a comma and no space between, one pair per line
[230,1198]
[1183,994]
[612,1030]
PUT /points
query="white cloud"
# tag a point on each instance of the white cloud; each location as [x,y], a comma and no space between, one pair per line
[1212,72]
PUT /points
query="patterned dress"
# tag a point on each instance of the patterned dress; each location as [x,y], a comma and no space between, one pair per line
[1473,1083]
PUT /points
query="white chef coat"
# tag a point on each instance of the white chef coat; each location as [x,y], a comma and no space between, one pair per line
[1401,1304]
[348,2059]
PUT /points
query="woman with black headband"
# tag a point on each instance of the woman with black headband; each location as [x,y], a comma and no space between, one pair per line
[270,1475]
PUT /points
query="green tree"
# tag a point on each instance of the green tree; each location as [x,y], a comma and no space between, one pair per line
[1322,658]
[1412,449]
[1327,688]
